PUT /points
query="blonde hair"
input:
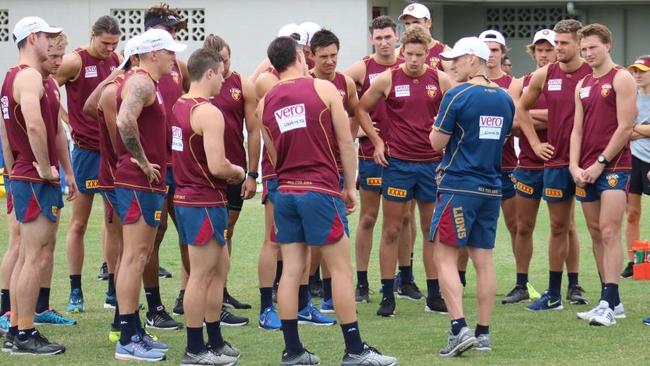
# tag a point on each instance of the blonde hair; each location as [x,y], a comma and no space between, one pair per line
[60,42]
[416,34]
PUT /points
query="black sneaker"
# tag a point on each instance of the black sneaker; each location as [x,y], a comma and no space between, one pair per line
[163,273]
[436,305]
[409,291]
[232,303]
[230,320]
[160,319]
[316,288]
[8,342]
[628,271]
[387,307]
[362,294]
[518,294]
[103,272]
[576,295]
[36,344]
[178,305]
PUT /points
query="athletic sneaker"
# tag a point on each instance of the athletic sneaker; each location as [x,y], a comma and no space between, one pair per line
[304,358]
[619,312]
[111,301]
[483,343]
[230,320]
[311,315]
[604,316]
[103,272]
[137,350]
[534,295]
[207,357]
[76,302]
[457,344]
[368,357]
[113,335]
[226,349]
[232,303]
[5,322]
[516,295]
[269,319]
[51,316]
[435,305]
[153,342]
[8,342]
[36,344]
[160,319]
[327,306]
[163,273]
[409,291]
[575,295]
[646,321]
[628,271]
[386,307]
[362,294]
[178,305]
[546,302]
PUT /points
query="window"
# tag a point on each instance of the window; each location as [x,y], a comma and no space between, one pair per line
[4,25]
[515,22]
[131,23]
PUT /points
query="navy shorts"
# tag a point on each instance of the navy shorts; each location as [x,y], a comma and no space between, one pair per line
[309,217]
[131,204]
[558,184]
[404,180]
[461,220]
[529,183]
[606,181]
[85,165]
[31,199]
[269,190]
[110,204]
[10,198]
[507,185]
[197,225]
[169,178]
[639,183]
[370,175]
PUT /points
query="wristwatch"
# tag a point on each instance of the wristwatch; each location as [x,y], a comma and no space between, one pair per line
[253,175]
[602,159]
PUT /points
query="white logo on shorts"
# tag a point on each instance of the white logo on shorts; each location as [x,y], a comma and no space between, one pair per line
[490,127]
[177,138]
[291,117]
[91,72]
[554,85]
[402,90]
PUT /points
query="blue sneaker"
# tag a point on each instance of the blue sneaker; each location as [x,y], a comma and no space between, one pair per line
[76,302]
[546,302]
[269,319]
[646,321]
[311,315]
[110,301]
[327,306]
[137,350]
[51,316]
[5,323]
[153,342]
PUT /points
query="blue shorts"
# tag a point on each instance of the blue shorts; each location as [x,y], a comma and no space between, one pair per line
[404,180]
[131,204]
[31,199]
[10,198]
[269,190]
[606,181]
[529,183]
[110,204]
[309,217]
[171,185]
[463,220]
[558,184]
[507,185]
[85,165]
[197,225]
[370,175]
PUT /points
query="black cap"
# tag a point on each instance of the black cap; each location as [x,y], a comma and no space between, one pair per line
[152,20]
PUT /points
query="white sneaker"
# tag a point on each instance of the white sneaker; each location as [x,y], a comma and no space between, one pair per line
[619,312]
[604,315]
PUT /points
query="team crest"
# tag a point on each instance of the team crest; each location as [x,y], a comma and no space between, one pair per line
[434,62]
[235,93]
[612,180]
[605,89]
[176,77]
[432,90]
[342,92]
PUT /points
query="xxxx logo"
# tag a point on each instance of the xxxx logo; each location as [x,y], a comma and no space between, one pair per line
[396,192]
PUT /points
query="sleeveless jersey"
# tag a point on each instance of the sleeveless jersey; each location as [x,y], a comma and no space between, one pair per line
[433,57]
[268,170]
[108,156]
[230,102]
[527,157]
[171,88]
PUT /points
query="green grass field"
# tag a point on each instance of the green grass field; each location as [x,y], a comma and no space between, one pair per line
[519,337]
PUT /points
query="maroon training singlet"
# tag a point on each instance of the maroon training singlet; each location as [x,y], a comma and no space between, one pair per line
[171,88]
[508,156]
[268,170]
[527,157]
[85,130]
[600,121]
[108,156]
[230,102]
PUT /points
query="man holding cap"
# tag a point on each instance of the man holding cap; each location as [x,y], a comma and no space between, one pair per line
[139,186]
[301,36]
[475,119]
[419,14]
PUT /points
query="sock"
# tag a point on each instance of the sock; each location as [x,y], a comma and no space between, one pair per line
[352,337]
[75,282]
[573,278]
[327,288]
[138,322]
[278,273]
[195,340]
[317,274]
[457,325]
[111,284]
[387,286]
[291,338]
[303,296]
[23,334]
[433,289]
[312,280]
[362,278]
[214,334]
[5,304]
[127,328]
[610,293]
[153,299]
[522,279]
[266,298]
[116,317]
[13,330]
[617,298]
[225,293]
[602,290]
[405,274]
[463,280]
[555,283]
[481,329]
[43,302]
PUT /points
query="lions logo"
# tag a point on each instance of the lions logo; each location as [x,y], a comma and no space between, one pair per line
[605,89]
[235,93]
[176,77]
[612,180]
[434,62]
[432,90]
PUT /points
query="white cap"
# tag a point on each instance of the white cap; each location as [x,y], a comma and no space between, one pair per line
[467,46]
[311,28]
[29,25]
[294,31]
[156,40]
[416,10]
[130,49]
[492,36]
[545,35]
